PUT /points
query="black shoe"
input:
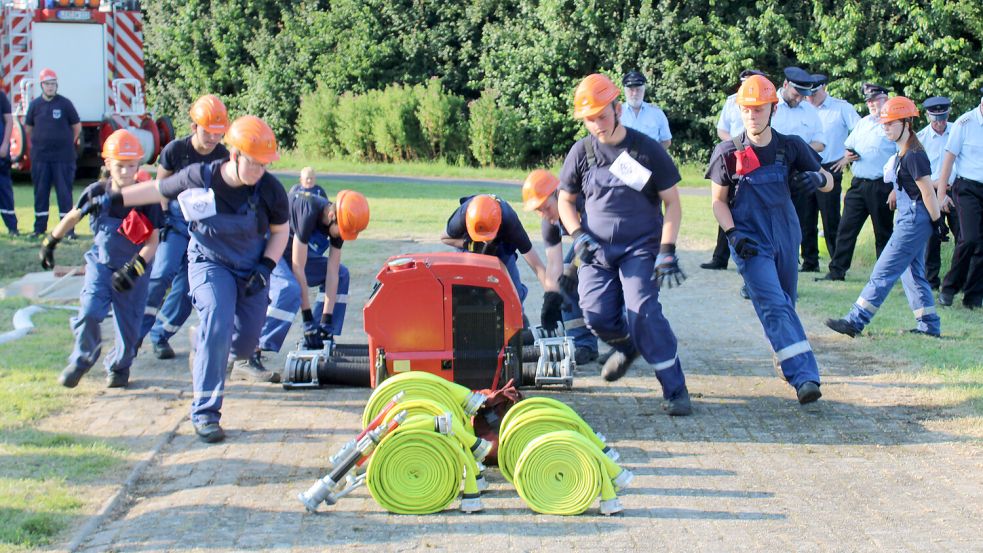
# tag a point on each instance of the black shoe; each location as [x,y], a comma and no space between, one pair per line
[210,432]
[829,276]
[584,355]
[972,305]
[617,365]
[945,299]
[602,358]
[809,268]
[71,375]
[808,393]
[934,285]
[163,350]
[680,406]
[252,369]
[843,327]
[117,379]
[714,265]
[744,293]
[924,333]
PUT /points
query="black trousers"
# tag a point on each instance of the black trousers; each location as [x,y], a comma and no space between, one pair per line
[933,251]
[721,252]
[865,198]
[809,207]
[967,260]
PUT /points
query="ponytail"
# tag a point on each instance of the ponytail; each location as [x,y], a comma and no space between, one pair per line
[912,144]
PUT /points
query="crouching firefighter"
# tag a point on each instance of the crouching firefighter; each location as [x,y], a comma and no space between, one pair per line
[539,194]
[237,215]
[626,247]
[752,201]
[317,227]
[116,266]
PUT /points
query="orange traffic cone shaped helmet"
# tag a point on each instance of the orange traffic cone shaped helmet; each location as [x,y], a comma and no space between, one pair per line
[483,217]
[593,94]
[122,146]
[352,213]
[254,138]
[209,113]
[898,108]
[539,185]
[756,90]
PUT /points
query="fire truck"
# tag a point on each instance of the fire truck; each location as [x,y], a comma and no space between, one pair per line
[96,49]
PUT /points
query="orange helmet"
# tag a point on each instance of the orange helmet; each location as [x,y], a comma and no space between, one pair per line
[252,136]
[352,213]
[209,112]
[143,175]
[539,185]
[757,90]
[483,217]
[897,108]
[122,146]
[47,75]
[593,94]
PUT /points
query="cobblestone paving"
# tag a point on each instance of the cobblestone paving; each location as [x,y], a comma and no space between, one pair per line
[750,470]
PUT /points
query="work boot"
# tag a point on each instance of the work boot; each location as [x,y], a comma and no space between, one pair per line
[924,333]
[617,365]
[71,375]
[584,355]
[809,268]
[163,350]
[209,432]
[808,392]
[679,406]
[842,326]
[117,379]
[252,369]
[829,276]
[972,304]
[945,298]
[744,292]
[714,265]
[602,358]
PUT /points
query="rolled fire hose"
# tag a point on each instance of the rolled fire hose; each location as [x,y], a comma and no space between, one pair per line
[416,470]
[462,402]
[533,417]
[562,472]
[462,432]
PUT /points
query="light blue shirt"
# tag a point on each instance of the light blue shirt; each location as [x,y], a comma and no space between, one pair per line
[934,144]
[838,118]
[802,121]
[730,117]
[868,140]
[650,120]
[966,143]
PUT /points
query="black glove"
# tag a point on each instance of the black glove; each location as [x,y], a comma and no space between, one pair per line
[744,247]
[124,278]
[667,268]
[259,279]
[486,248]
[941,229]
[808,181]
[568,281]
[99,201]
[47,255]
[586,246]
[552,305]
[312,332]
[326,328]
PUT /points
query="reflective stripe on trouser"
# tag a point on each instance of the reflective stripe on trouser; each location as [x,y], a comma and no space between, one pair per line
[606,292]
[96,299]
[573,318]
[7,196]
[230,322]
[169,291]
[285,301]
[902,258]
[46,175]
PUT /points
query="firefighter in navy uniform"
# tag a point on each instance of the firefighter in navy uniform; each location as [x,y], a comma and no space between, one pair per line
[165,315]
[752,202]
[626,247]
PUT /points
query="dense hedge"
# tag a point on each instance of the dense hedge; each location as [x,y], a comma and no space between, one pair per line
[517,61]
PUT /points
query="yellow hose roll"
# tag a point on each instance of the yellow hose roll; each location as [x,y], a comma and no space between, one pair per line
[562,473]
[461,401]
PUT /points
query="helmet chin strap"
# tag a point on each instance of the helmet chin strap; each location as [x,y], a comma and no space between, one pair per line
[768,126]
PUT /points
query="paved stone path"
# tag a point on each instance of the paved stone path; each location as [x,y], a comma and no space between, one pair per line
[865,469]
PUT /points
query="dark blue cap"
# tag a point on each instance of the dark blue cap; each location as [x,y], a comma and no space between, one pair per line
[800,79]
[818,79]
[937,104]
[871,91]
[748,72]
[633,78]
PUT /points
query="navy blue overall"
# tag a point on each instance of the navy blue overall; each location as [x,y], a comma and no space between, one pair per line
[224,250]
[170,273]
[110,251]
[763,211]
[619,299]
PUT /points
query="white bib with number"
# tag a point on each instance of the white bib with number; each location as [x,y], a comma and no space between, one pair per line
[197,203]
[630,171]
